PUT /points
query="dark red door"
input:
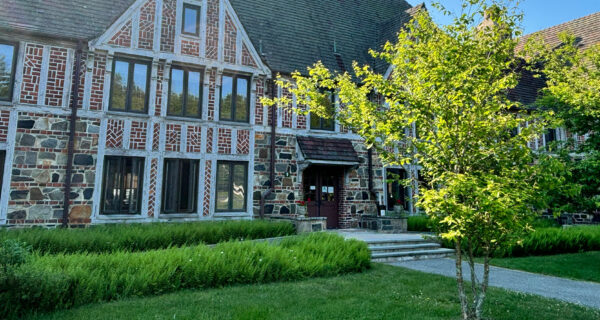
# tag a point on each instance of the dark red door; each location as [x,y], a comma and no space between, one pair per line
[321,191]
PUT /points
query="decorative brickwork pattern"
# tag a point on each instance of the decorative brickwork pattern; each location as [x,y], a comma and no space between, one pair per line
[57,67]
[259,109]
[212,94]
[212,29]
[229,41]
[300,118]
[156,137]
[190,48]
[152,192]
[209,140]
[286,112]
[224,142]
[122,37]
[137,136]
[39,167]
[167,33]
[207,184]
[146,33]
[160,76]
[243,142]
[173,137]
[32,69]
[247,59]
[98,72]
[194,139]
[4,121]
[114,133]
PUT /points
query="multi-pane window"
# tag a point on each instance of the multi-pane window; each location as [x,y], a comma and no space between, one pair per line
[232,178]
[8,56]
[235,101]
[180,186]
[191,20]
[320,123]
[130,85]
[185,93]
[122,187]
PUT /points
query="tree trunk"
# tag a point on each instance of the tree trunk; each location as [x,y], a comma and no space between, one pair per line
[484,285]
[464,304]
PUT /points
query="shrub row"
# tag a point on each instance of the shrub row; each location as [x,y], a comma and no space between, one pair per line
[52,282]
[418,223]
[142,237]
[546,241]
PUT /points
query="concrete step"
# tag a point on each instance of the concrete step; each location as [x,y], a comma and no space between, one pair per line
[404,247]
[392,242]
[410,255]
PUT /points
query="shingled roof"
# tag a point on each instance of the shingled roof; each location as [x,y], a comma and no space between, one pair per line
[66,19]
[291,34]
[326,149]
[587,33]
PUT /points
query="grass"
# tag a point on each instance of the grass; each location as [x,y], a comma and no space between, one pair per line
[143,237]
[579,266]
[60,281]
[384,292]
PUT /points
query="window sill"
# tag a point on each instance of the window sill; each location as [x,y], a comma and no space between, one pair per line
[178,215]
[130,114]
[180,118]
[189,36]
[103,216]
[235,123]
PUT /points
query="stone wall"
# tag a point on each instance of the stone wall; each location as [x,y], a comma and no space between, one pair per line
[39,166]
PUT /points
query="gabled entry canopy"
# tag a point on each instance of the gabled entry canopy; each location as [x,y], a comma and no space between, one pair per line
[327,151]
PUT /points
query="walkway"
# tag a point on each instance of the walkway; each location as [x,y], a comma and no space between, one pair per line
[580,292]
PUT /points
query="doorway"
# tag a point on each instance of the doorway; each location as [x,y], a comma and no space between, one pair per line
[321,193]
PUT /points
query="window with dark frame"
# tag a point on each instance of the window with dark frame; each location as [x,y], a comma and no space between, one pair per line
[235,101]
[180,186]
[191,20]
[122,185]
[130,85]
[232,181]
[185,92]
[319,123]
[8,61]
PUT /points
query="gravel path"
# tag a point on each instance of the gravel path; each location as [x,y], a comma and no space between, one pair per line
[580,292]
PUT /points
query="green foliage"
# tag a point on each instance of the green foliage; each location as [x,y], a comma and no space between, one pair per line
[540,223]
[57,281]
[548,241]
[13,253]
[419,223]
[142,237]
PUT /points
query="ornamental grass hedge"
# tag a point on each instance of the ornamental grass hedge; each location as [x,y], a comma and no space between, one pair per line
[142,237]
[50,282]
[547,241]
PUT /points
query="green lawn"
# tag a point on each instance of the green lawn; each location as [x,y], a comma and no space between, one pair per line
[384,292]
[581,266]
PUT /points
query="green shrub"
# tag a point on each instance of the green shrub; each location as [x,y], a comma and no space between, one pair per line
[545,223]
[546,241]
[62,281]
[13,253]
[142,237]
[419,223]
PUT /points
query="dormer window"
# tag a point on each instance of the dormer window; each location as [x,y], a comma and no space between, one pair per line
[191,20]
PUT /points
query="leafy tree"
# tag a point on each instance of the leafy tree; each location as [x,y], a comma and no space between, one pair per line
[572,80]
[449,86]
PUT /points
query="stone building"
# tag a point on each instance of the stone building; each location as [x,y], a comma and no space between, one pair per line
[165,98]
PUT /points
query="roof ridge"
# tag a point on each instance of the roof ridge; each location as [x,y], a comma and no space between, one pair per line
[557,26]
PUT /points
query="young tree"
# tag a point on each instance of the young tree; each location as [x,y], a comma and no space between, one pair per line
[449,84]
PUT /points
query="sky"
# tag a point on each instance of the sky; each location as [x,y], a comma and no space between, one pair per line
[538,14]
